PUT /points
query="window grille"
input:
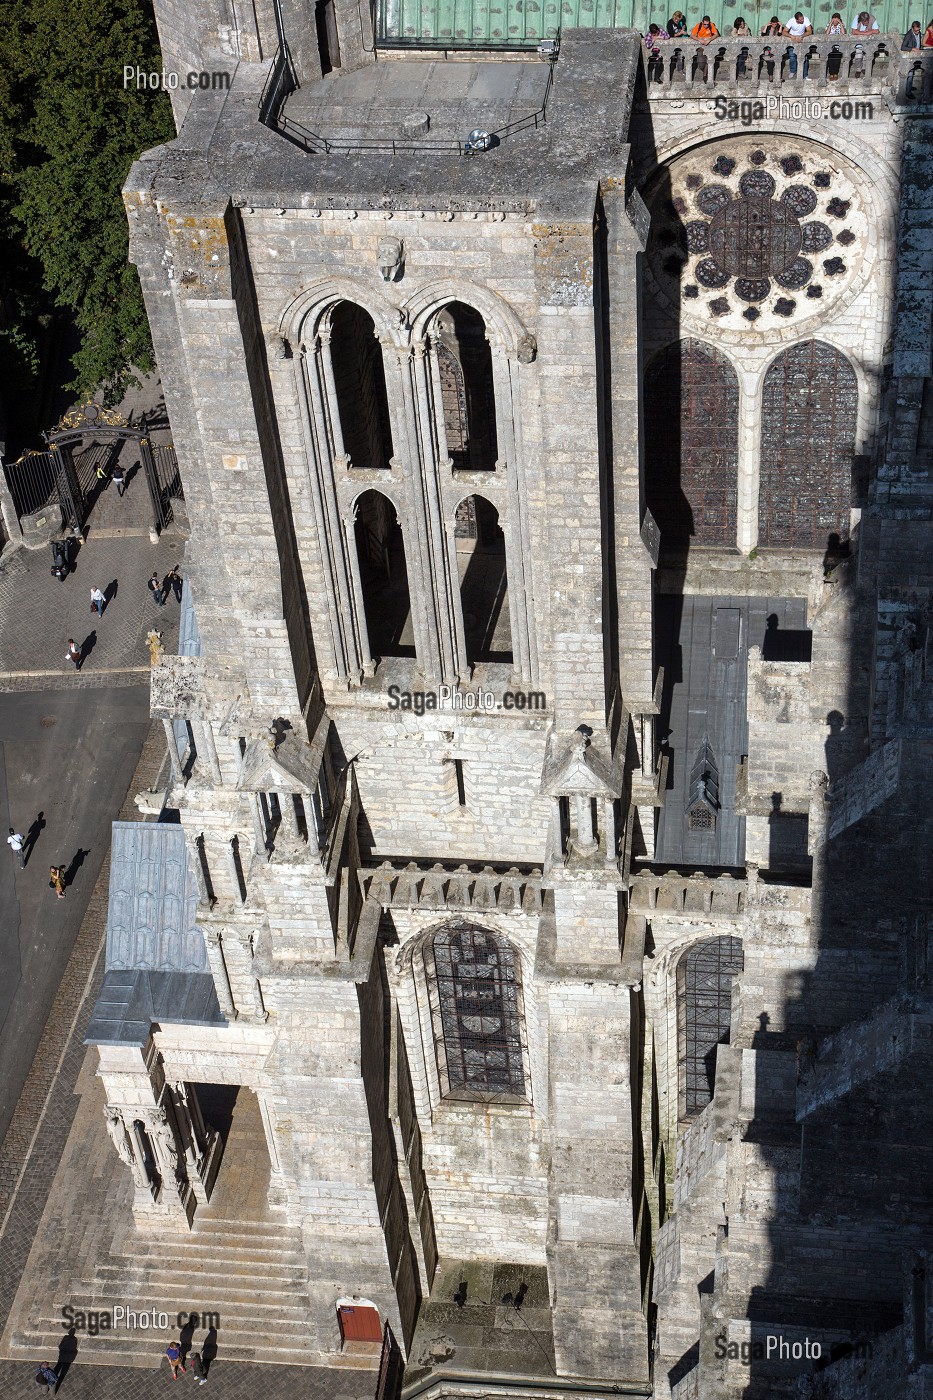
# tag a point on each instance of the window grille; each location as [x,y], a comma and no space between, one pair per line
[704,1006]
[475,987]
[808,421]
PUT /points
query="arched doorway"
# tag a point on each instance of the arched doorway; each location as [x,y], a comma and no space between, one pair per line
[691,445]
[808,422]
[380,550]
[484,592]
[360,385]
[468,399]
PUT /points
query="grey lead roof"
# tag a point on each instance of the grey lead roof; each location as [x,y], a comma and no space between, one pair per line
[156,967]
[703,645]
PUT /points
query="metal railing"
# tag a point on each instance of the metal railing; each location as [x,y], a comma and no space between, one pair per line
[280,83]
[851,64]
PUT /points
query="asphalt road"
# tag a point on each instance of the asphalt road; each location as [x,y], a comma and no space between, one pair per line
[66,761]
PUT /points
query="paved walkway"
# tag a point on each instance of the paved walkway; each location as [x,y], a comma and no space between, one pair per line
[38,613]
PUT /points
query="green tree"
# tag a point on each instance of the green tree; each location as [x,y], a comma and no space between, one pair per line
[70,131]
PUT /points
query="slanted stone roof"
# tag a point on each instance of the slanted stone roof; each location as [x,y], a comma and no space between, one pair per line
[156,959]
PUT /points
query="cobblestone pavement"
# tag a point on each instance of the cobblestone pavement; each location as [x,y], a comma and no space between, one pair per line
[38,612]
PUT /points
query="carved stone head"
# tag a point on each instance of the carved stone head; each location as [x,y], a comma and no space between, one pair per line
[389,257]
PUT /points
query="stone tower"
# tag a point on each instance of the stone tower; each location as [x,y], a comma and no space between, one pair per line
[529,410]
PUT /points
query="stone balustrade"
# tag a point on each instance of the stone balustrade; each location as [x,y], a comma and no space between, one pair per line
[671,892]
[738,68]
[412,886]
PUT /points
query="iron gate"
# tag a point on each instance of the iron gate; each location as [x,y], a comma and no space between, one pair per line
[40,478]
[86,439]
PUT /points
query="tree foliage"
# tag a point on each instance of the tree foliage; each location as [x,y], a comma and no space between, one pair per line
[69,131]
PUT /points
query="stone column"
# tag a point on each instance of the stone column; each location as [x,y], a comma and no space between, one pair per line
[330,390]
[518,549]
[357,598]
[447,585]
[206,733]
[410,451]
[233,872]
[315,446]
[259,825]
[585,843]
[194,859]
[749,465]
[218,963]
[174,755]
[128,1149]
[459,626]
[260,1013]
[437,574]
[139,1141]
[609,831]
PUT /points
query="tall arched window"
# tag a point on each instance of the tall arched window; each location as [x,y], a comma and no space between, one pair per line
[704,1008]
[808,423]
[691,445]
[380,549]
[360,384]
[475,991]
[484,589]
[468,398]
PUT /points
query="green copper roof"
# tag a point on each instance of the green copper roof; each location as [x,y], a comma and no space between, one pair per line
[524,23]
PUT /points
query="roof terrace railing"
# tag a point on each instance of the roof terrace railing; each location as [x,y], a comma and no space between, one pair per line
[757,66]
[280,83]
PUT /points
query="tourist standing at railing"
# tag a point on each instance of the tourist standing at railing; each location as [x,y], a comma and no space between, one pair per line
[864,24]
[740,29]
[798,28]
[653,52]
[774,29]
[677,25]
[835,30]
[913,39]
[928,36]
[705,31]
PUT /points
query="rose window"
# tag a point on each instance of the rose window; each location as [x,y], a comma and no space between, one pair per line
[748,223]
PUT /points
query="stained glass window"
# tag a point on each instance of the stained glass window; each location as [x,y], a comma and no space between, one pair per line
[475,995]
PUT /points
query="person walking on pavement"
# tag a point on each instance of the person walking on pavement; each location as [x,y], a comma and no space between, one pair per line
[119,481]
[197,1367]
[45,1373]
[173,1352]
[74,653]
[57,880]
[15,843]
[155,588]
[97,601]
[172,583]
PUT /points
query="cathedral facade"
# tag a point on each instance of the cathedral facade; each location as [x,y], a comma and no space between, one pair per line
[555,428]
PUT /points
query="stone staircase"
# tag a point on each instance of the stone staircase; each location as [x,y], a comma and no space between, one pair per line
[251,1276]
[242,1261]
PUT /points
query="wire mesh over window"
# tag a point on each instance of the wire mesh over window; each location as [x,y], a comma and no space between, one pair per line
[691,442]
[808,422]
[475,1002]
[704,1005]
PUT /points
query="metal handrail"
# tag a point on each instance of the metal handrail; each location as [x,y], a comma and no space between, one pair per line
[271,114]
